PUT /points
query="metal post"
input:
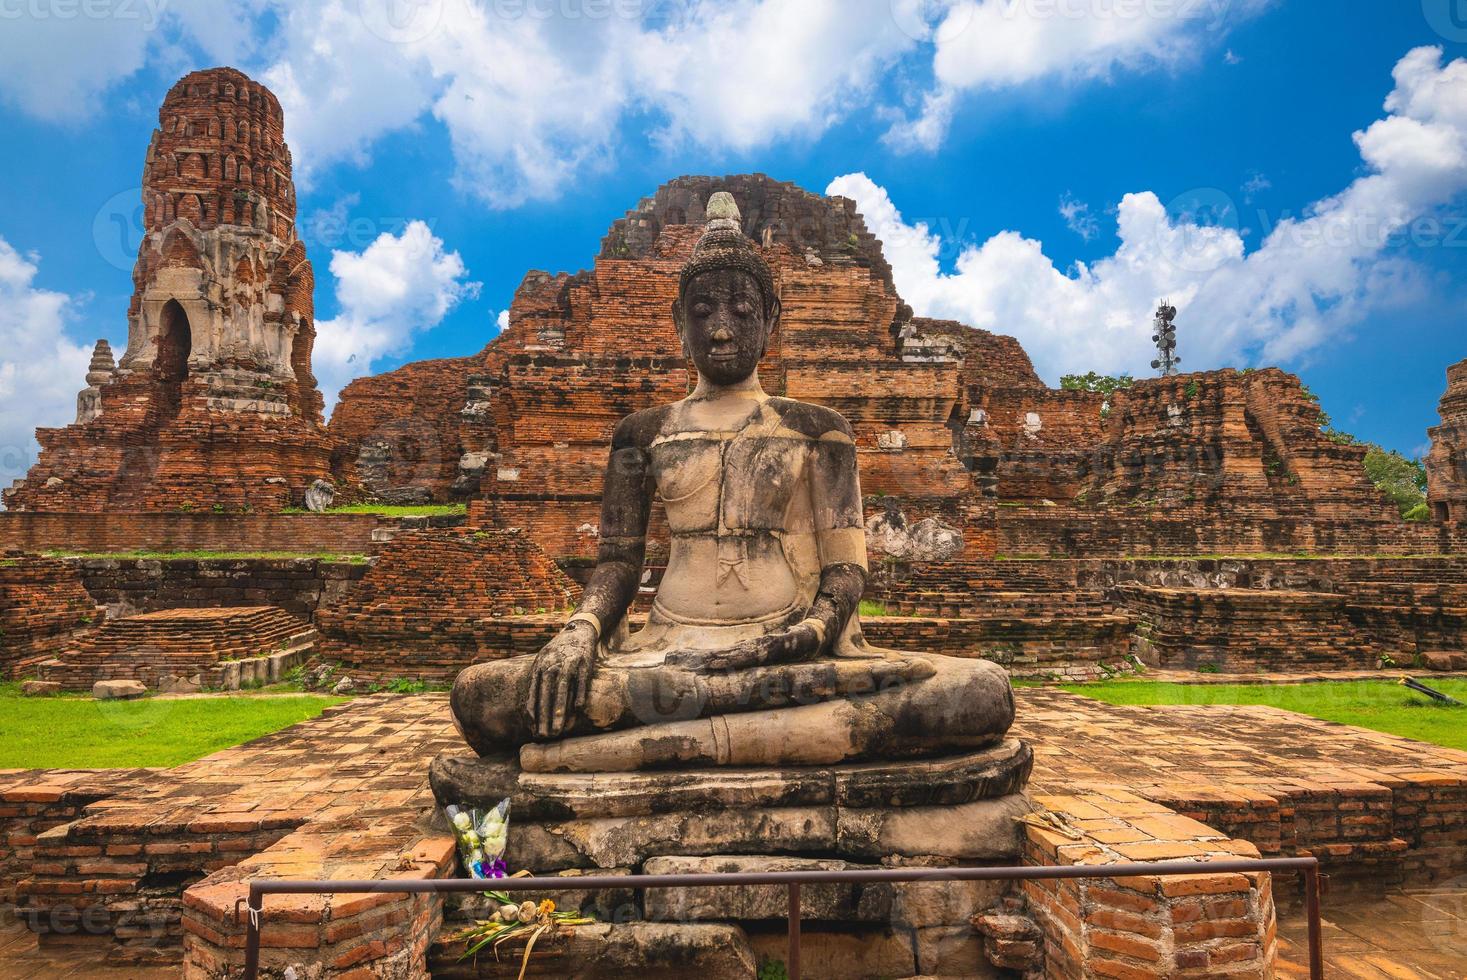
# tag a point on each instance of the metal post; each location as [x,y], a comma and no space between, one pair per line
[792,964]
[1309,866]
[254,915]
[1316,928]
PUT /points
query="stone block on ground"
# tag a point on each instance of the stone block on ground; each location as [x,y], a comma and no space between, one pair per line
[121,690]
[39,688]
[1444,660]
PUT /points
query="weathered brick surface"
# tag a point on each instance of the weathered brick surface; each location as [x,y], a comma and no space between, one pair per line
[187,643]
[160,861]
[43,605]
[213,403]
[1366,804]
[436,601]
[297,585]
[401,430]
[99,533]
[1219,925]
[35,801]
[1446,466]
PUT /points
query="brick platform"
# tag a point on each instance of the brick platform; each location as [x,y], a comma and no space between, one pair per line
[1151,926]
[165,854]
[1363,802]
[207,647]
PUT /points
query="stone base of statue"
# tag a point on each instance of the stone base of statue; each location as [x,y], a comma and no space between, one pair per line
[961,809]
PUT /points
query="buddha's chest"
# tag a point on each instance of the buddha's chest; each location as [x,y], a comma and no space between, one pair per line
[710,481]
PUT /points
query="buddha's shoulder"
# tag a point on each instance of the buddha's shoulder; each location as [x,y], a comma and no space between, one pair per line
[811,421]
[640,428]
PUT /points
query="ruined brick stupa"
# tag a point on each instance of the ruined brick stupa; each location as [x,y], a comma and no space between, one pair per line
[213,403]
[1446,466]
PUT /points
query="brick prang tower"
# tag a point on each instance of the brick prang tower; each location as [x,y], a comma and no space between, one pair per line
[213,404]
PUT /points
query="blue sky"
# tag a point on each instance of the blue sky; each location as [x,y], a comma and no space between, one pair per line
[1293,181]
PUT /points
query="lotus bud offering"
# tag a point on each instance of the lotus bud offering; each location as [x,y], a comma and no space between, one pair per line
[482,836]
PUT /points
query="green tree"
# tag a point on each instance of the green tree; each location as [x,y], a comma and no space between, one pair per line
[1106,384]
[1402,480]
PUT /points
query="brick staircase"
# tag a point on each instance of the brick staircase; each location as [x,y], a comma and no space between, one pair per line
[178,642]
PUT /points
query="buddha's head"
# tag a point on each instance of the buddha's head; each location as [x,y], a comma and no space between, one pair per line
[726,308]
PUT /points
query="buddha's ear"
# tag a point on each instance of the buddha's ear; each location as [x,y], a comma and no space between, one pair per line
[679,321]
[771,319]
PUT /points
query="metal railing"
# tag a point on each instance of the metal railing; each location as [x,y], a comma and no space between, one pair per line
[792,880]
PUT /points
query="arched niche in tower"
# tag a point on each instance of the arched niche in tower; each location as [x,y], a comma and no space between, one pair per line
[170,363]
[175,340]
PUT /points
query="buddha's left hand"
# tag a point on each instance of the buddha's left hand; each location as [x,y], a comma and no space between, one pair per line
[799,642]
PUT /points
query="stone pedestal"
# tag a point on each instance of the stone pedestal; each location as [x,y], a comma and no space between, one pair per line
[955,810]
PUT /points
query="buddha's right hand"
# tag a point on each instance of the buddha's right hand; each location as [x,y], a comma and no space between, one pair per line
[561,680]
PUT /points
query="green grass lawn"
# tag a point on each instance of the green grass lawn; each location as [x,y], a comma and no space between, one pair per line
[1385,706]
[80,733]
[391,510]
[206,555]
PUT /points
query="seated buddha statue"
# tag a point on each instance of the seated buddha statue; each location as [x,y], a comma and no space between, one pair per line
[752,653]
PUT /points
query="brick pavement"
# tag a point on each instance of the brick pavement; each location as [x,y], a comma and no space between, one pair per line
[345,795]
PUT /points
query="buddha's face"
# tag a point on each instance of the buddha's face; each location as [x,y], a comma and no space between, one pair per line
[723,324]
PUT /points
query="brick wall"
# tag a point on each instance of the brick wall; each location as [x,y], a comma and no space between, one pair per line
[1220,925]
[436,601]
[42,605]
[352,534]
[1061,533]
[297,585]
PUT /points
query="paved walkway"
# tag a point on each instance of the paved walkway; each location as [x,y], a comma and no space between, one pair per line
[362,767]
[20,959]
[1405,934]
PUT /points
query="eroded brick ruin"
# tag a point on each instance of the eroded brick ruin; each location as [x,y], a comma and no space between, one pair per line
[213,403]
[953,423]
[1446,466]
[1057,532]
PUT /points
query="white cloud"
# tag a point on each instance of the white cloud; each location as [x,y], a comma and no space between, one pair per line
[987,45]
[502,321]
[57,59]
[1312,278]
[531,99]
[391,291]
[1078,217]
[1256,184]
[535,94]
[341,85]
[739,75]
[41,369]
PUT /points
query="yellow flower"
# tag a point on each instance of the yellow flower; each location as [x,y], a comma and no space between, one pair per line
[547,907]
